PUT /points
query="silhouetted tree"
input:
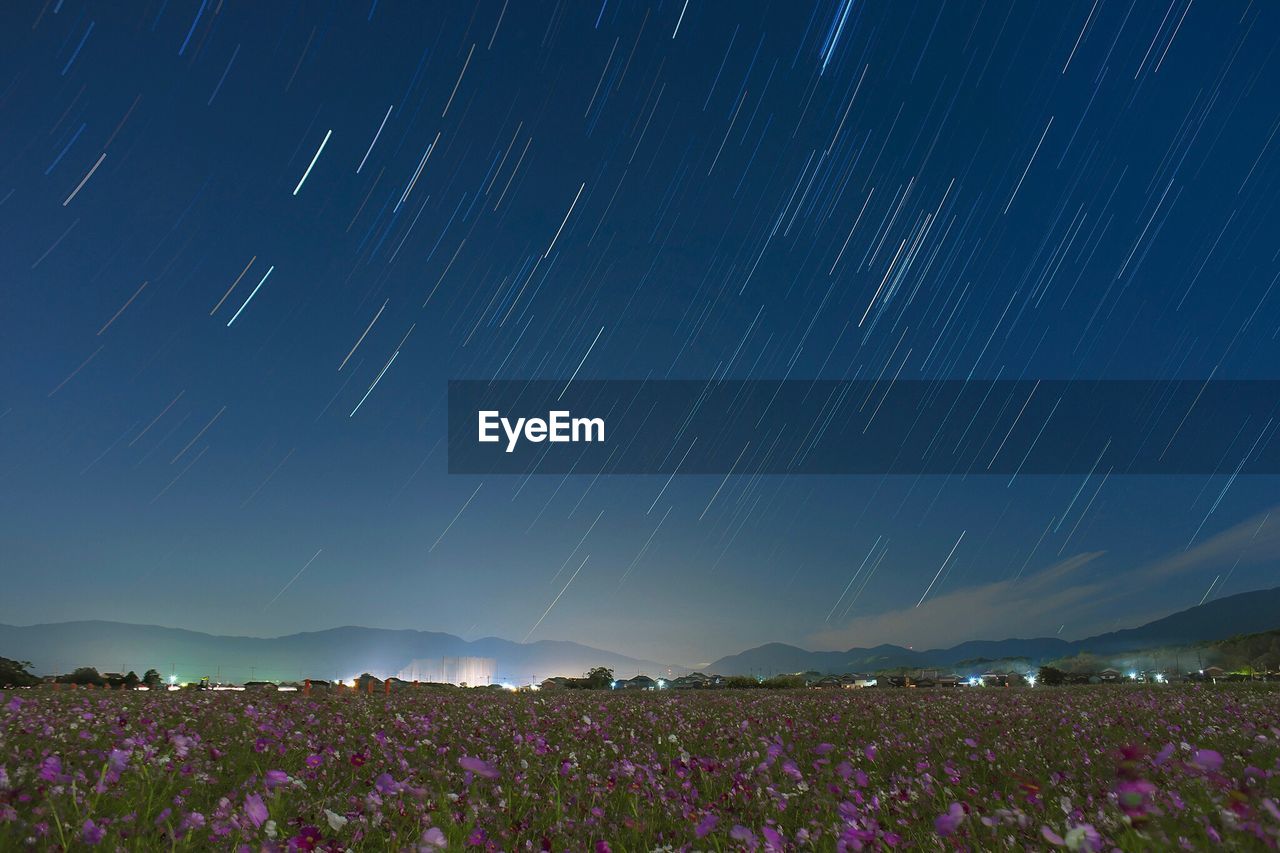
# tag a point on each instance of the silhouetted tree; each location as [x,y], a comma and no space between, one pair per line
[151,678]
[598,678]
[1052,676]
[13,673]
[83,675]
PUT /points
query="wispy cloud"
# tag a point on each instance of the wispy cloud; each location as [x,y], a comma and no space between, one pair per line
[1038,604]
[999,610]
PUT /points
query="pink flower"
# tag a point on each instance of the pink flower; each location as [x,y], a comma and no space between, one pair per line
[51,770]
[190,821]
[707,824]
[91,833]
[275,778]
[1135,797]
[308,839]
[945,824]
[1052,837]
[744,835]
[255,809]
[1207,760]
[386,784]
[478,766]
[433,839]
[314,761]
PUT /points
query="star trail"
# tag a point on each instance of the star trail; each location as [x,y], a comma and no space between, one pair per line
[246,247]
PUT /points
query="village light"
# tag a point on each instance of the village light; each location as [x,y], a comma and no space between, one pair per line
[1031,680]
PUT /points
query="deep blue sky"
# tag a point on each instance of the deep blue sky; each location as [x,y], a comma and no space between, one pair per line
[1057,190]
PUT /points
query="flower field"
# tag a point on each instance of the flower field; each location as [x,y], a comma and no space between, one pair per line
[1093,768]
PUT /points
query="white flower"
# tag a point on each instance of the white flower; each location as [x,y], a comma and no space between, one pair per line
[269,828]
[336,821]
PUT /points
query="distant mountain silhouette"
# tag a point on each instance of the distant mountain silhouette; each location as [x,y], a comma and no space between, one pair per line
[343,653]
[336,653]
[1245,613]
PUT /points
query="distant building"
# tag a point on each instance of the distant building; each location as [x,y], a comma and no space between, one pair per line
[640,682]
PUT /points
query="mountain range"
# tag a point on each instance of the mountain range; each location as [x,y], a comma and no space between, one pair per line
[343,653]
[335,653]
[1244,613]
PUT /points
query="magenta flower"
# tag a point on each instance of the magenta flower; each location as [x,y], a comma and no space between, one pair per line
[190,821]
[386,784]
[707,824]
[745,836]
[1207,760]
[51,770]
[255,809]
[308,839]
[947,823]
[478,766]
[1135,797]
[315,760]
[275,778]
[91,833]
[433,839]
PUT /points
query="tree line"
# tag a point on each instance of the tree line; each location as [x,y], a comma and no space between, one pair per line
[17,673]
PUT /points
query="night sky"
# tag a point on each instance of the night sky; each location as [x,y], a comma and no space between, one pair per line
[244,246]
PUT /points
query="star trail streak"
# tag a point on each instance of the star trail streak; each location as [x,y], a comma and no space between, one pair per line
[902,195]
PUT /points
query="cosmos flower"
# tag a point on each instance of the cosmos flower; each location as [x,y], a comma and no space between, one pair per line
[307,839]
[478,766]
[91,833]
[433,839]
[950,821]
[255,809]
